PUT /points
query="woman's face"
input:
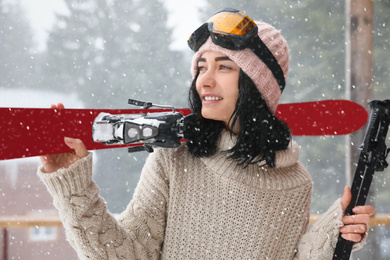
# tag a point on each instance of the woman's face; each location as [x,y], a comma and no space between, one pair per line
[217,86]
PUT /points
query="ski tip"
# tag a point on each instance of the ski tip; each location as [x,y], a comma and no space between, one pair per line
[327,117]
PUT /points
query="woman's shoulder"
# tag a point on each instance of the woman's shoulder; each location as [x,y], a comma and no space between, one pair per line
[169,162]
[170,153]
[287,157]
[289,168]
[168,157]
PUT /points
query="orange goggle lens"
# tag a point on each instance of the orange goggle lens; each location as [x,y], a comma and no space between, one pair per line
[231,23]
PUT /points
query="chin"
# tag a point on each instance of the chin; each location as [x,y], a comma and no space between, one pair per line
[209,114]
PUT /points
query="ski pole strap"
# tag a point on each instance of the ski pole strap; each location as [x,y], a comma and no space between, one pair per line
[372,158]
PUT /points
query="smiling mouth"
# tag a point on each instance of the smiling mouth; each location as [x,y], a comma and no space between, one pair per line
[209,98]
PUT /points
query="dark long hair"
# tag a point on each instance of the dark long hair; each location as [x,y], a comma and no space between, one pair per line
[261,133]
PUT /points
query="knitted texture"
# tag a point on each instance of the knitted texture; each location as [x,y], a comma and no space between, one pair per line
[252,65]
[191,208]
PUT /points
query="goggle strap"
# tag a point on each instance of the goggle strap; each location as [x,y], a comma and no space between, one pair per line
[198,38]
[264,54]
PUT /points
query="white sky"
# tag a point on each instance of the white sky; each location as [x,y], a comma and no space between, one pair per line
[183,18]
[42,15]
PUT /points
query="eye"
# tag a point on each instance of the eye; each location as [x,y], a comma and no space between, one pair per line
[224,67]
[201,68]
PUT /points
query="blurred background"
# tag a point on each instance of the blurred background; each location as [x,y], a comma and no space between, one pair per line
[97,54]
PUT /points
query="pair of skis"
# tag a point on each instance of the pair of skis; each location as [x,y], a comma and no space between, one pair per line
[26,132]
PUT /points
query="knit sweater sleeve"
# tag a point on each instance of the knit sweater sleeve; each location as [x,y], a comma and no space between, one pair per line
[96,234]
[320,241]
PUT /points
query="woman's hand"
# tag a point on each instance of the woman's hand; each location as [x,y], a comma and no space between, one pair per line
[355,226]
[51,163]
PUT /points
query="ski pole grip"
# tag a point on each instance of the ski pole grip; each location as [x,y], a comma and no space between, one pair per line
[381,137]
[378,124]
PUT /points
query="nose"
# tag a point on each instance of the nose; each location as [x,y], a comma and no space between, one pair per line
[206,79]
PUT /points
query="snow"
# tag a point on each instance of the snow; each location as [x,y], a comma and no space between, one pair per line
[102,132]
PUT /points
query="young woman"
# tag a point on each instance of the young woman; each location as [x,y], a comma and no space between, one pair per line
[235,190]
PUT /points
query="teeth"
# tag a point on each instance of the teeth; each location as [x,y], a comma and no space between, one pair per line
[208,98]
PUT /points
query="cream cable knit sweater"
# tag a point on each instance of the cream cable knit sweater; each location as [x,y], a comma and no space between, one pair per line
[191,208]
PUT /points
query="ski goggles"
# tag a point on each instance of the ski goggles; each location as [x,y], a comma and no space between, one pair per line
[233,30]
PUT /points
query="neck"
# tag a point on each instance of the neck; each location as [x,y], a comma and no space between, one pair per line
[236,127]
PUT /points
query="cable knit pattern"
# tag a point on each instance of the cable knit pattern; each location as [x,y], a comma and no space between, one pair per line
[198,208]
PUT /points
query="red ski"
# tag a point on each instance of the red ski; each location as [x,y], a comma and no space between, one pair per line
[26,132]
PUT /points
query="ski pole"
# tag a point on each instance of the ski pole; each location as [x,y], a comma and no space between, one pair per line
[372,158]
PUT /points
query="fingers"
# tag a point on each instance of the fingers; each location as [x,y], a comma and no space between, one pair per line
[354,233]
[356,219]
[355,226]
[356,238]
[354,229]
[346,198]
[362,216]
[369,210]
[51,163]
[58,106]
[77,145]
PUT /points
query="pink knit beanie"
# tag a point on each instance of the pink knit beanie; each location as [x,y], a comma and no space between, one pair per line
[252,65]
